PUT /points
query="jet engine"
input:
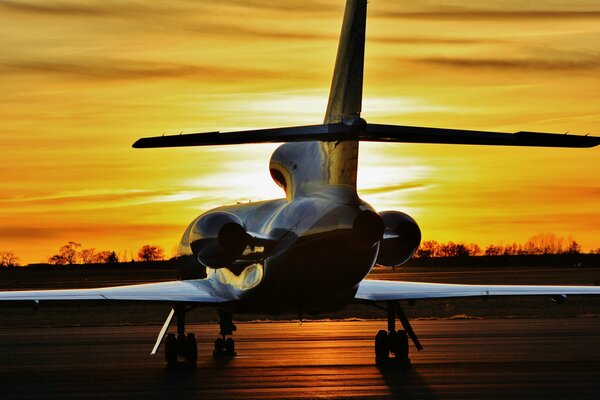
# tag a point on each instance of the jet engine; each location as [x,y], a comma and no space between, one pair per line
[218,239]
[401,239]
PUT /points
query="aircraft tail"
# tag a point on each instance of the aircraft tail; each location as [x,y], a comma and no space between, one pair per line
[345,96]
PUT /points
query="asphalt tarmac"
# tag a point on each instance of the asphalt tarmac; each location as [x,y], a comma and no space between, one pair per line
[490,358]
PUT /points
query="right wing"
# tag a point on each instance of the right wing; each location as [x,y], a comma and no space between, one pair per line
[359,129]
[189,291]
[380,290]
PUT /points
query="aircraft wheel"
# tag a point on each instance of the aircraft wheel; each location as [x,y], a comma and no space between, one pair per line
[382,347]
[401,346]
[191,350]
[181,344]
[230,347]
[171,350]
[219,346]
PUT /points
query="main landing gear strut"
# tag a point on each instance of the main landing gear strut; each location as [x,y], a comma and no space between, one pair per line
[225,346]
[392,341]
[184,345]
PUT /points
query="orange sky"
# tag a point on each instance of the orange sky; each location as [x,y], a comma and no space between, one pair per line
[82,80]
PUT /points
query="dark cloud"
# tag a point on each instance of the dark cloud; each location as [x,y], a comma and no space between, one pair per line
[99,9]
[110,70]
[431,40]
[80,198]
[575,63]
[392,188]
[141,8]
[247,31]
[53,9]
[490,15]
[33,233]
[288,6]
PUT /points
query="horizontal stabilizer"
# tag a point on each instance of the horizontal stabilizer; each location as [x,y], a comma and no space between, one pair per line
[360,130]
[417,134]
[324,132]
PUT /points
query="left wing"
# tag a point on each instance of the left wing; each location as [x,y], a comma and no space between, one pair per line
[191,291]
[379,290]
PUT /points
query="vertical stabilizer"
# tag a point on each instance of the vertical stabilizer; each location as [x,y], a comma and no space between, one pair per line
[345,96]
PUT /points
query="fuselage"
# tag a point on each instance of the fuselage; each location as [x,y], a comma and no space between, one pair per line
[315,250]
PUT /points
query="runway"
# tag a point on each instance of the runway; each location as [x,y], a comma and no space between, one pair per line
[491,358]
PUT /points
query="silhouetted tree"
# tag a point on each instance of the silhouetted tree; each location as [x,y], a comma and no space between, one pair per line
[427,249]
[573,248]
[107,257]
[67,254]
[112,258]
[8,259]
[473,249]
[89,256]
[57,259]
[151,253]
[492,250]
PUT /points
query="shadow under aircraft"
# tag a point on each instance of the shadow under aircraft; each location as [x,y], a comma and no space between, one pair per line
[310,252]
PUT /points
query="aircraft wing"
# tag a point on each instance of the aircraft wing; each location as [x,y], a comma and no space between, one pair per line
[368,132]
[379,290]
[190,291]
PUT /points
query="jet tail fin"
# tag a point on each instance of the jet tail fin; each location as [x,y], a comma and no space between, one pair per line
[345,96]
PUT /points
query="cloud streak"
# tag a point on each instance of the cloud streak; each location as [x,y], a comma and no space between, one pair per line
[113,70]
[561,64]
[481,15]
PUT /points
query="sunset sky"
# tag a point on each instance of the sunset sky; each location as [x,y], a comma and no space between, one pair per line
[82,80]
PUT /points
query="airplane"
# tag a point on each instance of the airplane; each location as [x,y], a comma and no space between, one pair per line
[309,252]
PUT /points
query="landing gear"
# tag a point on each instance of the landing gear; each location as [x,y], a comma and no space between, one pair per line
[392,341]
[225,346]
[181,345]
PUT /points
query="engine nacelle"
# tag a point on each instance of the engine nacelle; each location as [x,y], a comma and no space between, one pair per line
[218,239]
[396,250]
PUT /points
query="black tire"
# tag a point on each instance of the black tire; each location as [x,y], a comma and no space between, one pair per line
[401,346]
[393,342]
[191,350]
[171,350]
[219,346]
[230,346]
[382,347]
[181,345]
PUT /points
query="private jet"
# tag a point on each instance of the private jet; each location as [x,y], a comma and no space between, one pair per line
[310,252]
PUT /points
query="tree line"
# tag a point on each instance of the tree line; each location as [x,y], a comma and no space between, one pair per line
[540,244]
[73,253]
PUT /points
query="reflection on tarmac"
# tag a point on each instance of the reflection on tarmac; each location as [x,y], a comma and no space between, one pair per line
[498,358]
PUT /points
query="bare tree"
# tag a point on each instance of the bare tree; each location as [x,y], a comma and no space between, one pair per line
[67,254]
[151,253]
[429,248]
[573,247]
[492,250]
[106,257]
[112,258]
[88,256]
[57,259]
[8,259]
